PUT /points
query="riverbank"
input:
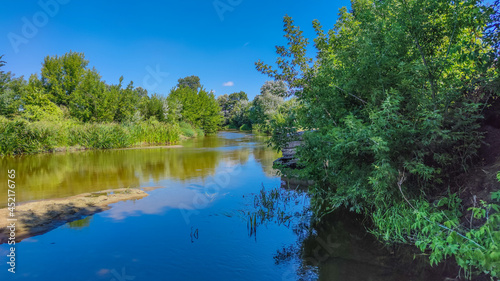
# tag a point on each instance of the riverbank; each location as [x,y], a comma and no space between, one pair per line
[35,218]
[19,136]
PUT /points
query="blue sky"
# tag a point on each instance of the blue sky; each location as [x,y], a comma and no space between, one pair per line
[155,43]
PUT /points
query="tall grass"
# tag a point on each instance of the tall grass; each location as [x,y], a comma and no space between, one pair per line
[190,131]
[19,136]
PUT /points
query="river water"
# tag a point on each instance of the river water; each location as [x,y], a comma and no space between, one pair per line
[194,224]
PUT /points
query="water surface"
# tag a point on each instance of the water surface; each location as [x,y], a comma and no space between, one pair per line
[192,226]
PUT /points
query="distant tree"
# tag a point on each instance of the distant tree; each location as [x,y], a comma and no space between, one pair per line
[239,96]
[93,100]
[128,102]
[11,90]
[240,114]
[37,106]
[267,103]
[192,82]
[155,108]
[62,75]
[276,88]
[210,118]
[201,109]
[225,107]
[228,104]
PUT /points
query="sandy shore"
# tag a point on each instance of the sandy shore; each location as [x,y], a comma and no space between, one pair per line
[35,218]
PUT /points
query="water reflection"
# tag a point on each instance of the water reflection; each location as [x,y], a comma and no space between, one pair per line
[79,224]
[58,175]
[340,248]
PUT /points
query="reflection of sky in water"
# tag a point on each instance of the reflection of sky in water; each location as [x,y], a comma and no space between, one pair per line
[205,187]
[57,175]
[150,238]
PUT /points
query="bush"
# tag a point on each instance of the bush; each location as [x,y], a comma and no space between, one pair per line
[199,132]
[20,136]
[186,129]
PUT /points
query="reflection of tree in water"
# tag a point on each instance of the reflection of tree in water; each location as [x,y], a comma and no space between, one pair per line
[238,156]
[57,175]
[336,248]
[266,156]
[66,174]
[79,224]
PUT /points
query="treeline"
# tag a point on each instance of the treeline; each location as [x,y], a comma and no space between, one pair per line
[392,106]
[69,105]
[256,115]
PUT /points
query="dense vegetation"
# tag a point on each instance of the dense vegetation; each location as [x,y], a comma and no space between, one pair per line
[258,114]
[391,106]
[69,105]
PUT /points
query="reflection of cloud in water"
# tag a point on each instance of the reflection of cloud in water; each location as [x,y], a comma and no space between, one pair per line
[158,202]
[193,196]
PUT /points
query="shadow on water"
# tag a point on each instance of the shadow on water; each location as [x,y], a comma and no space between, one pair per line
[339,246]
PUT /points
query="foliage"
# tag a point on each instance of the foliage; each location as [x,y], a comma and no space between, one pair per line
[11,90]
[186,129]
[234,108]
[19,136]
[245,127]
[38,107]
[192,82]
[436,228]
[197,108]
[62,75]
[69,105]
[397,88]
[265,105]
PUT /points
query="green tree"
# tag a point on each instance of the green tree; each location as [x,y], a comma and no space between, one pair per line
[395,93]
[265,105]
[229,104]
[93,100]
[62,75]
[11,90]
[37,106]
[200,109]
[192,82]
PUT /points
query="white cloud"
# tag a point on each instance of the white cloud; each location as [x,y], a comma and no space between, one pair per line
[228,84]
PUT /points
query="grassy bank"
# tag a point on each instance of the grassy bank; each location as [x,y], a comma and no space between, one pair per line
[19,136]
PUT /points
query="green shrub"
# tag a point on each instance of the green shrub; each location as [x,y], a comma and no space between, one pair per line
[154,132]
[19,136]
[199,132]
[187,132]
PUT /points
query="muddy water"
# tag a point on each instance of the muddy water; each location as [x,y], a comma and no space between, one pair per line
[194,224]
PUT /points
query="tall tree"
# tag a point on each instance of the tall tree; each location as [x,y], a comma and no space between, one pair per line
[391,105]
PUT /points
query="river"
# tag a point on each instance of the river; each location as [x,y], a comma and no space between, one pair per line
[194,225]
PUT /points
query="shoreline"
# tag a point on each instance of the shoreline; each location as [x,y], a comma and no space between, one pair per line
[39,217]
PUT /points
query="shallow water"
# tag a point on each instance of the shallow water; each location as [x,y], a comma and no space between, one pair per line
[193,226]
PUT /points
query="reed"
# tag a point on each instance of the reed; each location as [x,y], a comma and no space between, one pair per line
[19,136]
